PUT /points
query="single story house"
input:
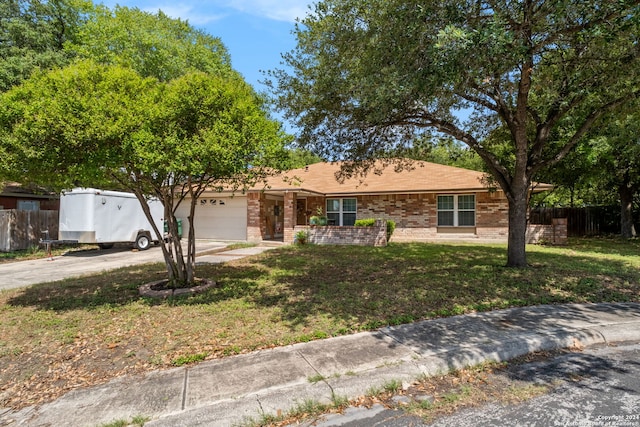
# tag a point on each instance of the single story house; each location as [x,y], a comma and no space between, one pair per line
[23,198]
[427,201]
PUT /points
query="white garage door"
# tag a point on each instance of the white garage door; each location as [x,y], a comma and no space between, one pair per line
[223,218]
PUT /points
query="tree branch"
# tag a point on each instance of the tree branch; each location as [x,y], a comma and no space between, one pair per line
[583,129]
[478,100]
[424,119]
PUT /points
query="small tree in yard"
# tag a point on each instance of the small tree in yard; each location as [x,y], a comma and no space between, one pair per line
[92,124]
[368,76]
[154,107]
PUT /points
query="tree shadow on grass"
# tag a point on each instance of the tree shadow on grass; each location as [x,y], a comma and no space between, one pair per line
[119,287]
[607,245]
[365,288]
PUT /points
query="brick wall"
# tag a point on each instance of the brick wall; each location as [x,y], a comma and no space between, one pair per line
[492,211]
[255,217]
[493,233]
[415,216]
[407,210]
[556,233]
[289,216]
[334,235]
[419,234]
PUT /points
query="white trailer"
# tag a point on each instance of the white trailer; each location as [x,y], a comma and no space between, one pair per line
[88,215]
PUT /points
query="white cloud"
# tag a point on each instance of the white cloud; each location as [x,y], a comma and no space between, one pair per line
[281,10]
[207,11]
[185,12]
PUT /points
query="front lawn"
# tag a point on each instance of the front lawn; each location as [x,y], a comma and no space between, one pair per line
[80,332]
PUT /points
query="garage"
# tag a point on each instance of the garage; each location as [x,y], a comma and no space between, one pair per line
[218,217]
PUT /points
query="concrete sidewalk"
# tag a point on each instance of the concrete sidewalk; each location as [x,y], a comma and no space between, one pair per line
[229,391]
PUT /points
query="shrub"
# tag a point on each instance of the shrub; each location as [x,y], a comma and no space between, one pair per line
[391,226]
[370,222]
[301,237]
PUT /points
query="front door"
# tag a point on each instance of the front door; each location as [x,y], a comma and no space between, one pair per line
[301,212]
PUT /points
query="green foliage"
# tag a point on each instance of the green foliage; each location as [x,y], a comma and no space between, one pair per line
[152,44]
[316,378]
[444,151]
[68,126]
[301,237]
[371,78]
[299,158]
[34,34]
[152,106]
[605,169]
[392,386]
[318,220]
[391,226]
[370,222]
[138,420]
[190,358]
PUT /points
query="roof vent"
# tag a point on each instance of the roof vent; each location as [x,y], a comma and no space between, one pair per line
[306,168]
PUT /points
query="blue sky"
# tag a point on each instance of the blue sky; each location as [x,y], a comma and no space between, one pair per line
[256,32]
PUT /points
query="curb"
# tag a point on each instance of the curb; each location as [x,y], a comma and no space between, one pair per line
[282,398]
[231,391]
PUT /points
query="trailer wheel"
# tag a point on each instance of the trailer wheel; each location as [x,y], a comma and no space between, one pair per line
[143,242]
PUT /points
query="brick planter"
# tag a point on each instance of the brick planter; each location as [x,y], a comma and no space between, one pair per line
[347,235]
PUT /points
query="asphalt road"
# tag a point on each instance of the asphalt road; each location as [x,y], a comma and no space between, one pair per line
[594,388]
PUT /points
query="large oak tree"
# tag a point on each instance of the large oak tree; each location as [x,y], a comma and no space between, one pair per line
[367,76]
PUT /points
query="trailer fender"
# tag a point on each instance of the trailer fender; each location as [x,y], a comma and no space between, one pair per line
[143,241]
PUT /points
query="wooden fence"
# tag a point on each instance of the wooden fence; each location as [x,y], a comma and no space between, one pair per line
[24,229]
[588,221]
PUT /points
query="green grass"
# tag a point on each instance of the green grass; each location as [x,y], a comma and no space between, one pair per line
[316,378]
[301,411]
[138,421]
[283,296]
[185,360]
[37,252]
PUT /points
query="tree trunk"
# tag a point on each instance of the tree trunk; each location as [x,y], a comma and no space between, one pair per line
[627,229]
[191,241]
[516,246]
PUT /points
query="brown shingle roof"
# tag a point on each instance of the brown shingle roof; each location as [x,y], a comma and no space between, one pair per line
[17,189]
[420,177]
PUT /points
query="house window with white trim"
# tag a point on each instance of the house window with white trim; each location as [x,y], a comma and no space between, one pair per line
[341,211]
[457,210]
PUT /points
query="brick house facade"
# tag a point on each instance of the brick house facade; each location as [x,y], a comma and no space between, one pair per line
[428,202]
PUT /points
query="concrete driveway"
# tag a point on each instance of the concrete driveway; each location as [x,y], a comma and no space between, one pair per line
[79,263]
